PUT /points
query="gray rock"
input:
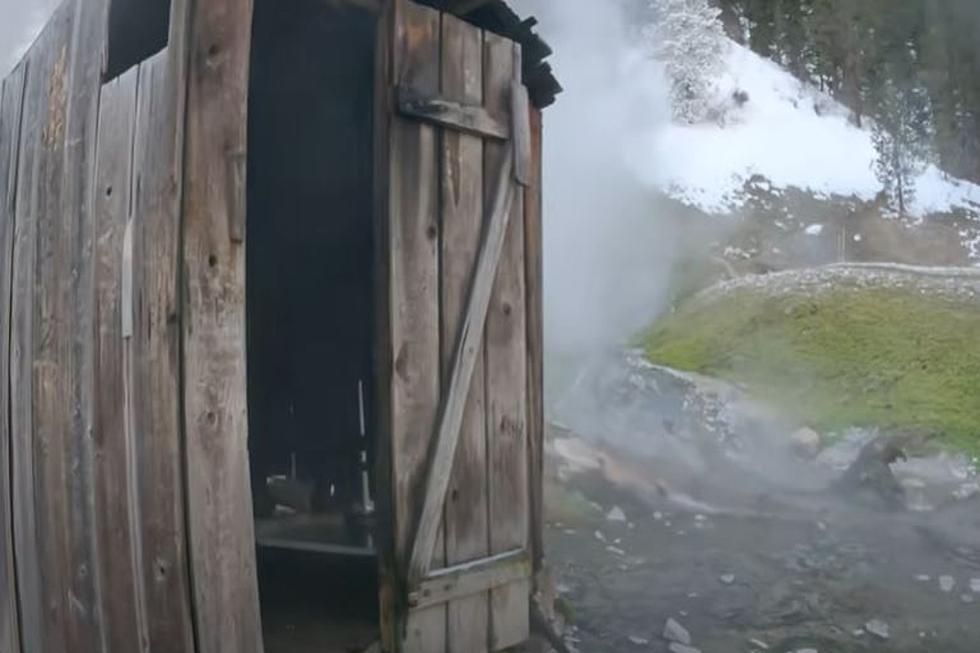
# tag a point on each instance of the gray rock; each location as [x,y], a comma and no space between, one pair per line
[878,628]
[805,443]
[616,515]
[947,583]
[675,632]
[727,579]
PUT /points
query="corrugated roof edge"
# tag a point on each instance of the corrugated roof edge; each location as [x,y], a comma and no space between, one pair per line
[498,17]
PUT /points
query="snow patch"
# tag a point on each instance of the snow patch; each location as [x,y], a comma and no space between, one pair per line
[814,230]
[787,132]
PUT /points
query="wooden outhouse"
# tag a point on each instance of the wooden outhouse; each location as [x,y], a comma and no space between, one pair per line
[270,327]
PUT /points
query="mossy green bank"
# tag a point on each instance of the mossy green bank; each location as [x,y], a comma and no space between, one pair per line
[887,357]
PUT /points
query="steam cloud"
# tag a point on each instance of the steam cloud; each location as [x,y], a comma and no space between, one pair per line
[607,255]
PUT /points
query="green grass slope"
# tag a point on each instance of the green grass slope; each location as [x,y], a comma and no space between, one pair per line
[885,357]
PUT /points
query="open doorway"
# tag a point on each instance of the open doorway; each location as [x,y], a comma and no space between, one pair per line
[310,321]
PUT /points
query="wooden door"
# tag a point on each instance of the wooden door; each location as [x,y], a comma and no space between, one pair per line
[458,140]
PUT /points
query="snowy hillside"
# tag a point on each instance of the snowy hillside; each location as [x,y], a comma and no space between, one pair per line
[766,122]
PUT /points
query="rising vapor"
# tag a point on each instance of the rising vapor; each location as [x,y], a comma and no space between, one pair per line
[607,256]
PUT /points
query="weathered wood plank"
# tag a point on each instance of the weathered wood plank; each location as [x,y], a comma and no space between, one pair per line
[465,520]
[10,122]
[29,583]
[86,623]
[472,578]
[414,300]
[534,284]
[390,600]
[115,496]
[152,376]
[506,371]
[215,412]
[52,332]
[450,114]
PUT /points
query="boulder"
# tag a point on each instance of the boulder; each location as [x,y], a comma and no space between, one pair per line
[878,628]
[675,632]
[806,443]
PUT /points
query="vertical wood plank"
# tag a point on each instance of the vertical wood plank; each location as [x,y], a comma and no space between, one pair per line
[465,525]
[113,438]
[506,368]
[534,282]
[219,502]
[86,623]
[10,121]
[153,374]
[29,581]
[414,300]
[51,334]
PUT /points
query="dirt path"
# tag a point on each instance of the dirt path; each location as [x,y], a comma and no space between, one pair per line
[682,502]
[791,584]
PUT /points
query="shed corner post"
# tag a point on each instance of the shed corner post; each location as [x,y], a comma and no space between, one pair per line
[219,506]
[390,592]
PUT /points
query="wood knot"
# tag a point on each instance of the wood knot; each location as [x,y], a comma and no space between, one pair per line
[401,361]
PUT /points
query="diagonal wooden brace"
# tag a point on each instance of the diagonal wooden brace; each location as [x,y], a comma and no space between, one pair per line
[468,347]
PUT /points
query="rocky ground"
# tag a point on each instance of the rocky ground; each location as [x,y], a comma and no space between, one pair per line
[961,284]
[674,498]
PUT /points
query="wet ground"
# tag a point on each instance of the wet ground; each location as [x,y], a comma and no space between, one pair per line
[712,520]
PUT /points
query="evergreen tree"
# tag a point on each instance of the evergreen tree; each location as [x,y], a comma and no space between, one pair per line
[901,138]
[688,37]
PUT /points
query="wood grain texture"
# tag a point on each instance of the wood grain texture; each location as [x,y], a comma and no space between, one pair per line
[52,329]
[414,301]
[465,519]
[389,590]
[222,539]
[29,583]
[86,623]
[152,375]
[115,526]
[506,369]
[11,102]
[534,284]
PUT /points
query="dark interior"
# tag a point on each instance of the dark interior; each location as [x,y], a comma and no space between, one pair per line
[310,306]
[138,29]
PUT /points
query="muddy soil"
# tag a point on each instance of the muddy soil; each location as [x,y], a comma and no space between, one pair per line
[647,523]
